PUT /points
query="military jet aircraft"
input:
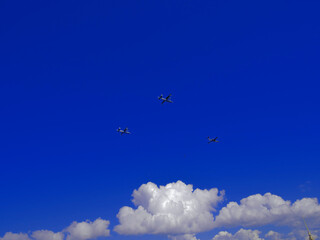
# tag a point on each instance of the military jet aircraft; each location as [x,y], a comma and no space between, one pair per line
[123,131]
[212,139]
[167,99]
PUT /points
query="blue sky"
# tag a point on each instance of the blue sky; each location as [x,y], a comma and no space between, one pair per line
[72,72]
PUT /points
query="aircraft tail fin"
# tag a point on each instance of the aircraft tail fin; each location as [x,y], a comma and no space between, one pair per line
[161,96]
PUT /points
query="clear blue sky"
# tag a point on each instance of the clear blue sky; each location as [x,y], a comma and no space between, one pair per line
[72,72]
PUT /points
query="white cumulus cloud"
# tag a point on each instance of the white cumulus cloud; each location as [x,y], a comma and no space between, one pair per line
[76,231]
[88,230]
[15,236]
[180,211]
[183,237]
[242,234]
[301,233]
[47,235]
[272,235]
[247,234]
[174,209]
[258,210]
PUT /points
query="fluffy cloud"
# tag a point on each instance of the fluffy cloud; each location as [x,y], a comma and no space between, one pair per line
[248,234]
[88,230]
[272,235]
[223,235]
[180,212]
[76,231]
[47,235]
[242,234]
[298,234]
[172,209]
[258,210]
[183,237]
[15,236]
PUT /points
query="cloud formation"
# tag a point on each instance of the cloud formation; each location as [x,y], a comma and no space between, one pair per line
[76,231]
[15,236]
[242,234]
[181,212]
[88,230]
[174,209]
[248,234]
[183,237]
[47,235]
[272,235]
[258,210]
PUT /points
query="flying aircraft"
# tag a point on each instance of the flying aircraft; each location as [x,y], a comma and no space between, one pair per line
[167,99]
[123,131]
[212,139]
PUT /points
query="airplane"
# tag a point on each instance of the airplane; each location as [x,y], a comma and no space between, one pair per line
[212,139]
[167,99]
[123,131]
[310,236]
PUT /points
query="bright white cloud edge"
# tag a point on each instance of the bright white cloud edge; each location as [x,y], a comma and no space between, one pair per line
[76,231]
[248,234]
[181,212]
[173,209]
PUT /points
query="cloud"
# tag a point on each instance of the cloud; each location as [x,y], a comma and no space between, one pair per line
[47,235]
[88,230]
[242,234]
[247,234]
[298,234]
[174,209]
[76,231]
[180,211]
[258,210]
[15,236]
[223,235]
[183,237]
[272,235]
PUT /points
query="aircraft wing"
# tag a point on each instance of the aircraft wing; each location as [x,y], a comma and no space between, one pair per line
[168,97]
[163,102]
